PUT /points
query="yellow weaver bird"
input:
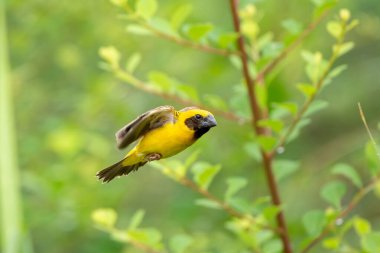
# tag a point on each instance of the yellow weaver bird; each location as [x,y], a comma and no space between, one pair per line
[161,132]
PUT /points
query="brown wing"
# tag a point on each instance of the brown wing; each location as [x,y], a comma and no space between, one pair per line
[144,123]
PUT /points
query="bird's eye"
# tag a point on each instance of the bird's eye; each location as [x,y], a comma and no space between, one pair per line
[198,116]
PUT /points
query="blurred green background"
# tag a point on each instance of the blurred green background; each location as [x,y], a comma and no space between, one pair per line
[67,110]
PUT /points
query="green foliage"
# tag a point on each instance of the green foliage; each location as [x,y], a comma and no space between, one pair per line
[333,193]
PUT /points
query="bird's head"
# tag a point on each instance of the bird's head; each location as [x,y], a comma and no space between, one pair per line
[197,120]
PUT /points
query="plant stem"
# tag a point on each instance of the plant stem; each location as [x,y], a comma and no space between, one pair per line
[11,219]
[257,114]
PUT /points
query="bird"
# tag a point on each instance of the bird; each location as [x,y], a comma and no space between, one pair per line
[160,133]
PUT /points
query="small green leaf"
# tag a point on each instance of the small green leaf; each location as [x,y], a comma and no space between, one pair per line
[136,219]
[362,226]
[111,55]
[295,133]
[344,48]
[198,31]
[179,243]
[227,39]
[161,80]
[284,168]
[349,172]
[288,106]
[253,150]
[133,62]
[208,203]
[273,124]
[316,106]
[163,26]
[336,71]
[215,101]
[331,243]
[146,8]
[333,193]
[138,29]
[270,212]
[313,222]
[187,92]
[180,14]
[335,29]
[204,173]
[292,26]
[118,2]
[267,143]
[371,242]
[191,158]
[307,90]
[104,217]
[272,246]
[149,236]
[234,184]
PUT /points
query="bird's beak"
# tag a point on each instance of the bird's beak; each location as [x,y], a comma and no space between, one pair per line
[209,121]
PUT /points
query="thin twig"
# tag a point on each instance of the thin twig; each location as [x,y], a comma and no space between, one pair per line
[187,102]
[311,27]
[257,115]
[187,43]
[368,130]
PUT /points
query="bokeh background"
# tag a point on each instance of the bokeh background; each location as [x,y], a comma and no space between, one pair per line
[67,109]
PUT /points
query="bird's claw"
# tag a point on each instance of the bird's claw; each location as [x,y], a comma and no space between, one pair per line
[153,157]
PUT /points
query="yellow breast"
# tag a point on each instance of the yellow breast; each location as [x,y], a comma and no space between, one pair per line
[167,140]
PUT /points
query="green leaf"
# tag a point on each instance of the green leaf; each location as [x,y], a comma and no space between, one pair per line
[284,168]
[192,158]
[272,246]
[267,143]
[316,106]
[349,172]
[136,219]
[207,203]
[333,193]
[149,236]
[179,243]
[111,55]
[362,226]
[295,133]
[161,81]
[133,62]
[187,92]
[290,107]
[198,31]
[372,158]
[180,14]
[215,101]
[104,217]
[146,8]
[226,39]
[292,26]
[313,222]
[336,71]
[332,243]
[138,29]
[163,26]
[335,29]
[204,173]
[234,184]
[344,48]
[307,90]
[273,124]
[253,150]
[371,242]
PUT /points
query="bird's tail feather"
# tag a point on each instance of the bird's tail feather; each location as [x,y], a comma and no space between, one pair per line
[117,169]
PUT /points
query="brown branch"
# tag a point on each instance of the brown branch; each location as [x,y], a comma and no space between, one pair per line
[351,205]
[187,43]
[258,114]
[187,102]
[270,66]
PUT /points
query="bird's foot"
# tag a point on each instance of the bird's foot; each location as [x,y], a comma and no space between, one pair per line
[153,157]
